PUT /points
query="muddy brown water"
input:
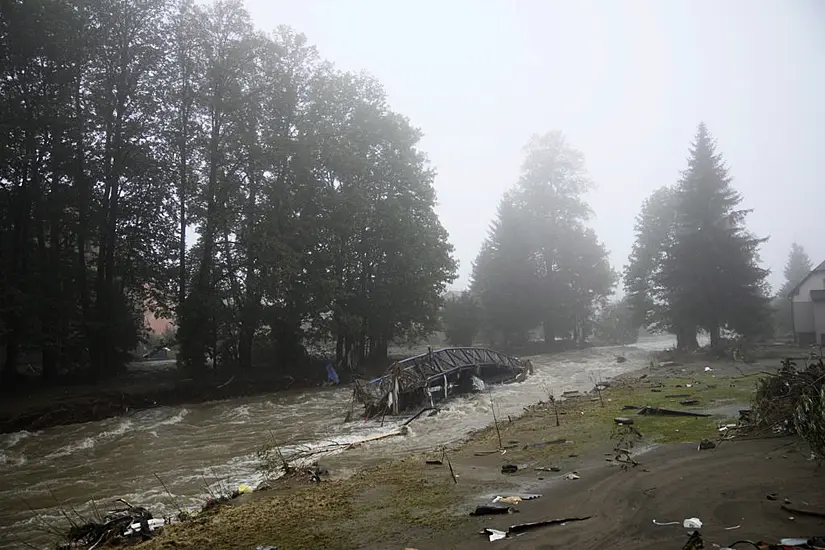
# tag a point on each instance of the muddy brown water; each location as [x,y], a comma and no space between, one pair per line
[189,446]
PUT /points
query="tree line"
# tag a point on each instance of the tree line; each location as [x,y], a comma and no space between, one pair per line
[167,155]
[694,266]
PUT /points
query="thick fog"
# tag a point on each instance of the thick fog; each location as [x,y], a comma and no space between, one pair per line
[626,81]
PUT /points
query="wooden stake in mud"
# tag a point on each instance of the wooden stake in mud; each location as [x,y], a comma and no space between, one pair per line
[495,420]
[449,464]
[555,408]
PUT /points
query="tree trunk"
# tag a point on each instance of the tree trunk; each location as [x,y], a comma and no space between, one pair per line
[714,336]
[686,339]
[9,375]
[549,333]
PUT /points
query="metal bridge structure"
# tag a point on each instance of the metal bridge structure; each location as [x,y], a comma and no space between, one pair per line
[412,379]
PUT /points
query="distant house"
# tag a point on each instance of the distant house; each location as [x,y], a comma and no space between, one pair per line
[808,308]
[156,325]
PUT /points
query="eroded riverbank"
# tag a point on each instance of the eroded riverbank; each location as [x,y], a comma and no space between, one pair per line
[184,446]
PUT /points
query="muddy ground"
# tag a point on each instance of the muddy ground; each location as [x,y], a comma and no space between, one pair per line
[407,503]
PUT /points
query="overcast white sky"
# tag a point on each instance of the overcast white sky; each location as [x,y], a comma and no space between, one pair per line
[627,81]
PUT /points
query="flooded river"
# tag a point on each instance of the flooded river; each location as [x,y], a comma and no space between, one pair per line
[188,446]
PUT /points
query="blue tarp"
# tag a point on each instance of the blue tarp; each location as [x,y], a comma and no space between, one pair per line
[332,376]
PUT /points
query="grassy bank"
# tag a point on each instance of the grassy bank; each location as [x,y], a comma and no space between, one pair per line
[406,502]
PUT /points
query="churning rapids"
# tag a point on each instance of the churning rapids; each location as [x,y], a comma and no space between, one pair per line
[67,466]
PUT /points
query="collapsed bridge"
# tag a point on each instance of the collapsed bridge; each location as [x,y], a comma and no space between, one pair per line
[436,375]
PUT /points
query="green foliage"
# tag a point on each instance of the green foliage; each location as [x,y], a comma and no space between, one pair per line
[540,264]
[616,324]
[694,265]
[461,318]
[137,122]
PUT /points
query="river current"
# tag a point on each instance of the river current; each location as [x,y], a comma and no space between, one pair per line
[190,446]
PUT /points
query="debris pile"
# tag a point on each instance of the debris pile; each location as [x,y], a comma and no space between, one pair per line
[128,525]
[793,401]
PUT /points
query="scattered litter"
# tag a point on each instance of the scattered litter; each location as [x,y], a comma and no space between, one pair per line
[494,534]
[152,524]
[550,469]
[708,369]
[689,402]
[772,496]
[118,526]
[434,462]
[688,385]
[621,420]
[732,528]
[804,512]
[522,527]
[545,443]
[669,412]
[694,541]
[656,390]
[486,453]
[631,407]
[677,395]
[663,523]
[515,499]
[266,548]
[489,510]
[572,393]
[692,523]
[509,469]
[572,476]
[706,444]
[244,489]
[793,542]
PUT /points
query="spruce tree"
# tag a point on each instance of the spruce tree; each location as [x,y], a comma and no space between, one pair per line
[710,274]
[796,269]
[646,299]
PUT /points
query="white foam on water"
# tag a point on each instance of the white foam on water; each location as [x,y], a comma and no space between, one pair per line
[7,441]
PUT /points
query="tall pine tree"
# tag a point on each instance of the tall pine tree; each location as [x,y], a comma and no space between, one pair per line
[541,264]
[710,275]
[797,268]
[655,226]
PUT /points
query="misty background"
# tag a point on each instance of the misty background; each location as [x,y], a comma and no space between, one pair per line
[627,82]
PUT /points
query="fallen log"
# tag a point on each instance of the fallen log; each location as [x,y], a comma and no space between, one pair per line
[668,412]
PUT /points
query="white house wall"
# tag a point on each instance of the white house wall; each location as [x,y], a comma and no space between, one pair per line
[803,317]
[819,321]
[815,282]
